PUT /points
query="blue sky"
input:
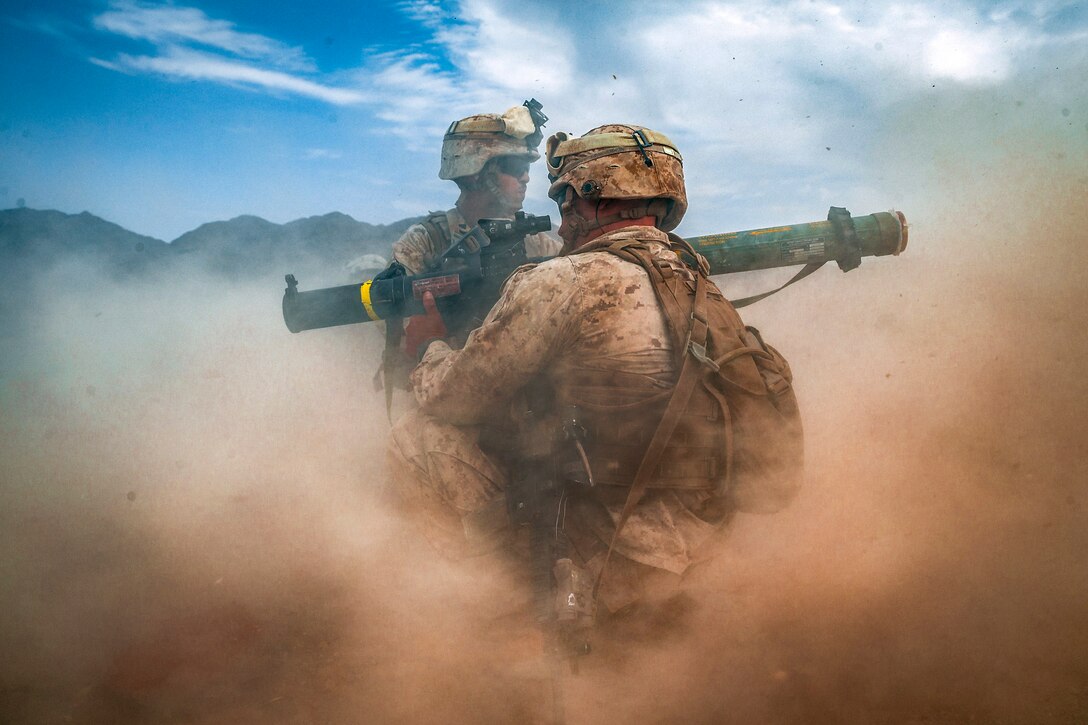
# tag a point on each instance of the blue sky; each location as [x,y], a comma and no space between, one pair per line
[162,116]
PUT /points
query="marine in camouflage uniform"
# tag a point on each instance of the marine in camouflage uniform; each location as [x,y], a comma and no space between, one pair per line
[588,330]
[488,156]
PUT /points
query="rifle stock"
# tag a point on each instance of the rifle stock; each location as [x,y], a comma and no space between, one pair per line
[842,239]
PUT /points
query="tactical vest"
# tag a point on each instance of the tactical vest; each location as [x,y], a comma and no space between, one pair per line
[437,226]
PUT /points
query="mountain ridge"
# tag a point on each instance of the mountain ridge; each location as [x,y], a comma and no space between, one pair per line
[244,246]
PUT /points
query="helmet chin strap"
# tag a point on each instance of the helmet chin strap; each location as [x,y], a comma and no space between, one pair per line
[492,186]
[576,227]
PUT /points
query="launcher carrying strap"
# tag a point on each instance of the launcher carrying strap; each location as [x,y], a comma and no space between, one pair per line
[843,224]
[805,271]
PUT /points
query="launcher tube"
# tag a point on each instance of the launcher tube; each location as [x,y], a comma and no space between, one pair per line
[815,242]
[876,235]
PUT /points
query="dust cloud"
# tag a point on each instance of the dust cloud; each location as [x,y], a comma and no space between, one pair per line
[194,525]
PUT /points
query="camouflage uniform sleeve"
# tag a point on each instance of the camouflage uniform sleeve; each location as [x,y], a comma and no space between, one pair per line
[414,249]
[536,317]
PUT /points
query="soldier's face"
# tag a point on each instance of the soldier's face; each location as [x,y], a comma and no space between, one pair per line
[512,177]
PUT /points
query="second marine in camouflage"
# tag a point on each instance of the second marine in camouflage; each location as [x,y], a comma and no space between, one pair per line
[488,156]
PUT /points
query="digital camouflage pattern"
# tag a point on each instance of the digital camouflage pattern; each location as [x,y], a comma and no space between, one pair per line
[617,161]
[473,141]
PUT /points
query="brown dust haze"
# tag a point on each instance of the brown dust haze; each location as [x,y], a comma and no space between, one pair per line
[192,527]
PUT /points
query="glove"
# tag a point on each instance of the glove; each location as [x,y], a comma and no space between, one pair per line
[424,329]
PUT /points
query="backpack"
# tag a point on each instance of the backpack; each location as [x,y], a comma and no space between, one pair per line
[727,363]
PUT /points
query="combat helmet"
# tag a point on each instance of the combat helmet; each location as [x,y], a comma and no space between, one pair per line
[619,161]
[473,141]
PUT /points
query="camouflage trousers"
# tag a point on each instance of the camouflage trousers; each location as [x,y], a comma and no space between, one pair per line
[453,489]
[456,493]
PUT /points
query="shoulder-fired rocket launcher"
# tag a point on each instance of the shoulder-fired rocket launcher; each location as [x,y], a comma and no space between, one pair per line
[475,266]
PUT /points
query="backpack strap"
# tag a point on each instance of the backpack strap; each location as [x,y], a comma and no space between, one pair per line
[437,227]
[394,333]
[636,252]
[689,321]
[691,372]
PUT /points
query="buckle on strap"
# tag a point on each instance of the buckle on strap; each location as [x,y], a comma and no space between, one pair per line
[698,352]
[843,225]
[643,143]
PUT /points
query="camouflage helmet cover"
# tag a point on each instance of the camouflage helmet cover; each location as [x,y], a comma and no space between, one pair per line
[619,161]
[473,141]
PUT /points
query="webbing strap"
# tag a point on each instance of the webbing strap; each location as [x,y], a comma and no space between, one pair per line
[675,312]
[617,140]
[439,233]
[805,271]
[476,124]
[843,225]
[391,359]
[690,374]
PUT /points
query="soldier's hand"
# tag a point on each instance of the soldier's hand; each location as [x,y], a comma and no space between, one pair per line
[424,329]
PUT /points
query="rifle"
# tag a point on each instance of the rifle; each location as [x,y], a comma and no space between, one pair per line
[470,273]
[545,471]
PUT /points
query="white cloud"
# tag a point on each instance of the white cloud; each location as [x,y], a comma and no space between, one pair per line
[782,82]
[429,13]
[750,90]
[476,59]
[413,95]
[506,53]
[186,42]
[196,65]
[170,24]
[968,57]
[317,154]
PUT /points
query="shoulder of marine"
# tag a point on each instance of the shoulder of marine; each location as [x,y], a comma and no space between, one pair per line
[425,240]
